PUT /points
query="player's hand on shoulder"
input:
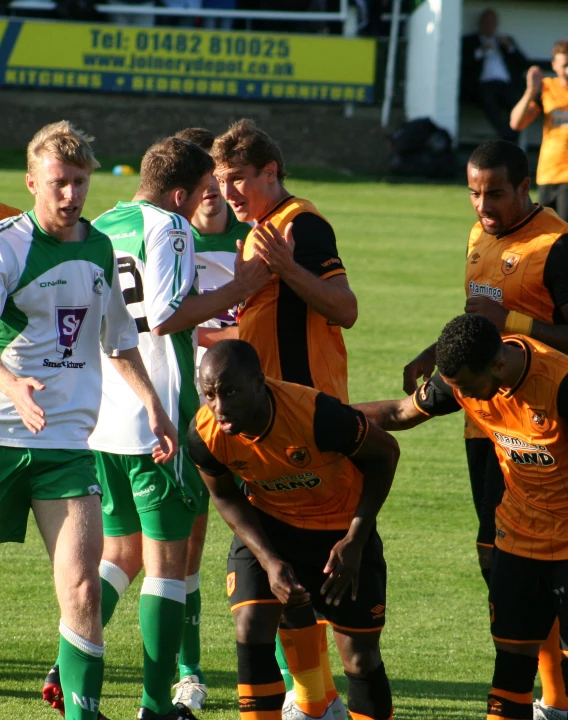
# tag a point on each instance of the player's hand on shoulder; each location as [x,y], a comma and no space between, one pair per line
[422,366]
[251,275]
[490,309]
[534,79]
[342,570]
[166,434]
[21,391]
[284,584]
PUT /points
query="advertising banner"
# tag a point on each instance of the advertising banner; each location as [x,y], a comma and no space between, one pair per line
[185,61]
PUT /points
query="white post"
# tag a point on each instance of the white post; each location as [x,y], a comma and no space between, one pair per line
[390,71]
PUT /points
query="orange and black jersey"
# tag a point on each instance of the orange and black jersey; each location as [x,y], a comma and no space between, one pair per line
[294,342]
[298,470]
[529,426]
[525,269]
[552,166]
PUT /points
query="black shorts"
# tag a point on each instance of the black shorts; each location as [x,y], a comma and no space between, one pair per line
[487,485]
[526,596]
[556,197]
[308,551]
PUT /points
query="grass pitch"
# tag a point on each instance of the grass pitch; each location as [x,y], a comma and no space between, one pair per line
[404,247]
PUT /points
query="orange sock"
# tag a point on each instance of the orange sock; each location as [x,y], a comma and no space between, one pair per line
[329,684]
[549,659]
[302,649]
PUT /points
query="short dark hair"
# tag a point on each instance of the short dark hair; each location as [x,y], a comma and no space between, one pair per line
[199,136]
[245,143]
[236,354]
[501,153]
[470,341]
[173,163]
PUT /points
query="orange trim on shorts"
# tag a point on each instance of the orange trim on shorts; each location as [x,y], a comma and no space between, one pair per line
[355,630]
[265,690]
[525,698]
[332,273]
[518,642]
[485,545]
[255,602]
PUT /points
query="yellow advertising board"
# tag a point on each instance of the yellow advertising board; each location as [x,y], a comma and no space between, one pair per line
[259,66]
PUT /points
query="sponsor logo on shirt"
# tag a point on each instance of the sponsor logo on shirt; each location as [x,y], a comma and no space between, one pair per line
[68,323]
[178,241]
[331,261]
[485,291]
[306,481]
[52,283]
[524,453]
[98,282]
[474,258]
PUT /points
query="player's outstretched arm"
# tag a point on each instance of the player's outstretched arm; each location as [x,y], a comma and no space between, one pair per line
[393,414]
[376,458]
[422,366]
[130,366]
[240,516]
[21,391]
[249,278]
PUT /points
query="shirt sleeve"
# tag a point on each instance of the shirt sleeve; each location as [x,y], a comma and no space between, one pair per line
[118,327]
[315,247]
[556,276]
[170,268]
[201,455]
[562,398]
[338,427]
[435,398]
[9,273]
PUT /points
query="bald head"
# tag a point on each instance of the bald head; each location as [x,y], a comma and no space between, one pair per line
[233,386]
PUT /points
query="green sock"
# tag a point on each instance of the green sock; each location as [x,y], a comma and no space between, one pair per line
[162,605]
[81,670]
[283,665]
[190,654]
[114,583]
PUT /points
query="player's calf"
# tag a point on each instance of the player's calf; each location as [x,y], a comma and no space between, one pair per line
[513,681]
[369,695]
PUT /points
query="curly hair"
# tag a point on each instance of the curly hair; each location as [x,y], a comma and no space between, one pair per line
[470,341]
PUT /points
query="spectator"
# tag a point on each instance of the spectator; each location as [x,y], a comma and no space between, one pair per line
[549,96]
[491,73]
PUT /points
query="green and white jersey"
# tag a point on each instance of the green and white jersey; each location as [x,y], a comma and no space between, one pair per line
[59,303]
[215,264]
[154,249]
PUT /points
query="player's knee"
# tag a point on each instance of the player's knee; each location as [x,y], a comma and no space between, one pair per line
[82,598]
[362,662]
[252,625]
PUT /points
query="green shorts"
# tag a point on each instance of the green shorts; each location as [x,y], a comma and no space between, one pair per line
[28,474]
[161,501]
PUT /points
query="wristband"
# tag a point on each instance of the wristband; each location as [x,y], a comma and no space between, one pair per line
[518,324]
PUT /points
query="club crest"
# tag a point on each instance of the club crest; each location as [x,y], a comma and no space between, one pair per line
[231,583]
[298,456]
[539,420]
[178,241]
[510,263]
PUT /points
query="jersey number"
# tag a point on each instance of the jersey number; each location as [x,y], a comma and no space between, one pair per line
[133,294]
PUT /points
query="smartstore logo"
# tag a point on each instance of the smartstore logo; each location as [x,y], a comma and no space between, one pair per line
[486,290]
[68,323]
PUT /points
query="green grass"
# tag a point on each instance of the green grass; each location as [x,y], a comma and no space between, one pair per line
[403,246]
